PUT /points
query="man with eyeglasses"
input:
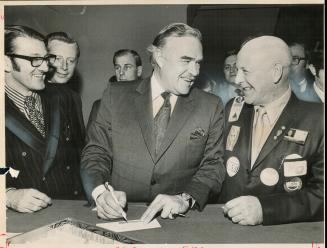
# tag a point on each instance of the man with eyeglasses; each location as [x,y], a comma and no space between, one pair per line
[301,80]
[226,88]
[39,144]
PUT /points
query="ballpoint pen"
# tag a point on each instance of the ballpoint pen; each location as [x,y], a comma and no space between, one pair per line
[111,190]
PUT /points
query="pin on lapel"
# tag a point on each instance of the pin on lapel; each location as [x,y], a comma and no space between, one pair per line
[279,132]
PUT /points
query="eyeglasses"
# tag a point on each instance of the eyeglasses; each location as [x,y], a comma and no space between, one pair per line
[35,61]
[296,60]
[58,60]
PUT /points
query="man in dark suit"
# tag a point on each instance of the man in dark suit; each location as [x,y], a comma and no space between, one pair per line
[40,150]
[274,145]
[157,139]
[128,67]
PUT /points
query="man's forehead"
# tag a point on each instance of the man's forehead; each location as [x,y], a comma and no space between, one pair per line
[125,59]
[297,50]
[29,46]
[230,59]
[184,46]
[62,47]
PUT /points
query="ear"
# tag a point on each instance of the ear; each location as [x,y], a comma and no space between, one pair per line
[158,57]
[277,73]
[139,71]
[8,64]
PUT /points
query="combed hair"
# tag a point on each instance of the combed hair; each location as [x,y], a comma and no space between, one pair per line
[64,37]
[123,52]
[172,30]
[12,32]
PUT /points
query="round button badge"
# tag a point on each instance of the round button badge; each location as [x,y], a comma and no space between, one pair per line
[269,177]
[232,166]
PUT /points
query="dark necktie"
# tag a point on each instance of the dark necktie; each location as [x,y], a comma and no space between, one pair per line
[34,115]
[161,120]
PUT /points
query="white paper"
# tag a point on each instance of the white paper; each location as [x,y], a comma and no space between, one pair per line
[130,225]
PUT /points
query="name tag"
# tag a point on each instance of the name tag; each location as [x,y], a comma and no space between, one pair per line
[295,168]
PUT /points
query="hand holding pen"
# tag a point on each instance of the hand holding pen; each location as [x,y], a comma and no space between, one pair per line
[110,204]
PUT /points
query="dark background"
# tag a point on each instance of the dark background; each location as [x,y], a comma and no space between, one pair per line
[101,30]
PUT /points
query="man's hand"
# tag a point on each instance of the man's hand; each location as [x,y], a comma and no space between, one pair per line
[108,208]
[244,210]
[27,200]
[169,204]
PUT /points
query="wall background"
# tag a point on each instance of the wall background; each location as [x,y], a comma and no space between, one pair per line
[100,31]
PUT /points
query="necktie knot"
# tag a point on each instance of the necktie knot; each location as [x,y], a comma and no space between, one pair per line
[166,96]
[30,102]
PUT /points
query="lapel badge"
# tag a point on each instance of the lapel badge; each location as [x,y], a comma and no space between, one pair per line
[279,132]
[297,136]
[236,109]
[232,138]
[232,166]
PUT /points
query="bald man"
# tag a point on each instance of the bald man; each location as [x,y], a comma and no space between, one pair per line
[274,144]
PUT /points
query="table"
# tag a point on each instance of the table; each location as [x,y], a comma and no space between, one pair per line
[207,227]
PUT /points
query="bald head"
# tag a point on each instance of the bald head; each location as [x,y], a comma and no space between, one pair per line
[272,49]
[263,67]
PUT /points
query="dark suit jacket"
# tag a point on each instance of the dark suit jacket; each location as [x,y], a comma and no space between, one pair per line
[278,204]
[120,146]
[93,113]
[50,164]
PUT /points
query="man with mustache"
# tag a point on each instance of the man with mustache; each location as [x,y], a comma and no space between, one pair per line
[157,140]
[39,145]
[274,150]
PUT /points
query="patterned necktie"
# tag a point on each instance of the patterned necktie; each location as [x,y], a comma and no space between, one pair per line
[161,120]
[260,127]
[34,115]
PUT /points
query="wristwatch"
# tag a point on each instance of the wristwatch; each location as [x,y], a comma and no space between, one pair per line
[186,197]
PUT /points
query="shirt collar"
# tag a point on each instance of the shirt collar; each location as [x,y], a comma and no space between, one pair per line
[275,108]
[156,88]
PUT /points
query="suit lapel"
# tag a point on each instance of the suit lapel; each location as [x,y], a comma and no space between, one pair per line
[17,123]
[182,111]
[276,135]
[143,105]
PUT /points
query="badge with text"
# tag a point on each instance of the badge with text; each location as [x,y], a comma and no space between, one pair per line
[236,109]
[269,177]
[232,138]
[232,166]
[296,136]
[294,165]
[293,184]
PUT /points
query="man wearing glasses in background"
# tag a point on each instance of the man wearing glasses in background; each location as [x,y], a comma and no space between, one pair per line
[40,149]
[301,80]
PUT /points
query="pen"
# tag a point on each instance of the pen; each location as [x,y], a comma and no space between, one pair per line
[111,190]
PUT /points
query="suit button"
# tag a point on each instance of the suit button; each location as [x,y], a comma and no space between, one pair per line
[153,181]
[75,192]
[68,167]
[43,179]
[24,154]
[67,139]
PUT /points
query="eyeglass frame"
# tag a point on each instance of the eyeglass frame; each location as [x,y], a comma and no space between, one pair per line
[31,58]
[298,59]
